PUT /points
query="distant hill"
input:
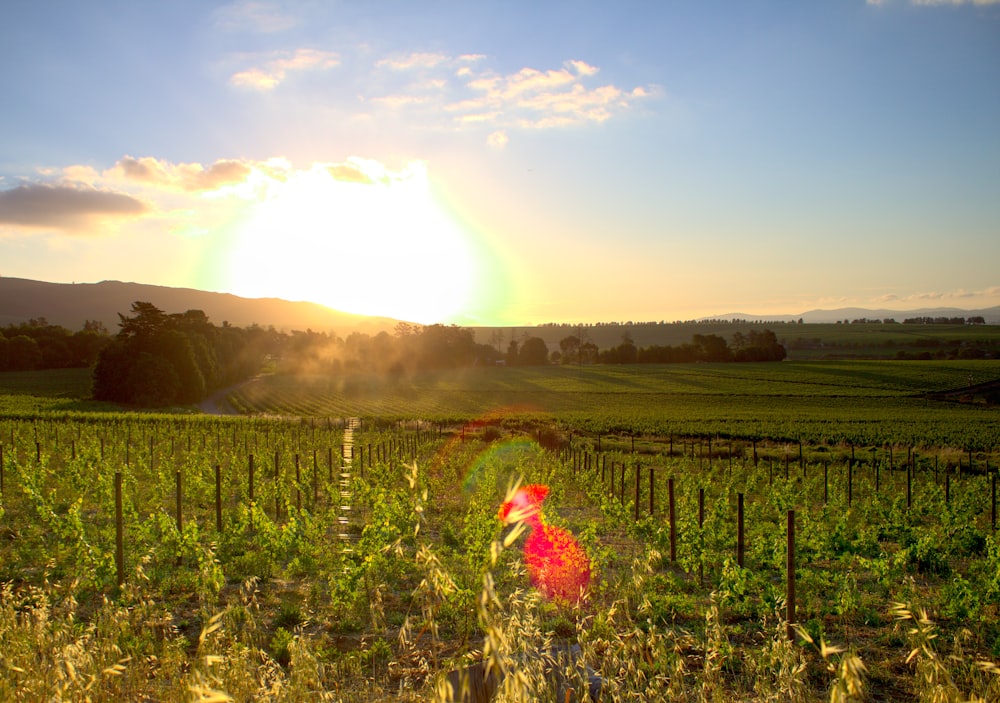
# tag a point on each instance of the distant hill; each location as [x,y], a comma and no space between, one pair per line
[70,304]
[991,315]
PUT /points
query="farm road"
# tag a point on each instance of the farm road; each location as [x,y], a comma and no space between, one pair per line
[217,403]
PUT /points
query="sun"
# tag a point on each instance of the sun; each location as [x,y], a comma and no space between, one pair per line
[358,238]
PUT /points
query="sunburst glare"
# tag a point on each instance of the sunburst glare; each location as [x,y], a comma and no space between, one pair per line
[356,237]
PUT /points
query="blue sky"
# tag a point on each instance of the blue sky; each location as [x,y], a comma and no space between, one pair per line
[509,163]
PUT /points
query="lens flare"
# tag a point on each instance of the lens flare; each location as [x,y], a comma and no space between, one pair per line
[358,238]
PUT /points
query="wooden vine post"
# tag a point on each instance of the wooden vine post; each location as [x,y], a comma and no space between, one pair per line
[993,503]
[826,482]
[638,476]
[218,498]
[909,483]
[790,577]
[277,487]
[180,489]
[621,492]
[298,484]
[701,524]
[739,530]
[673,519]
[119,531]
[180,514]
[850,483]
[250,487]
[652,486]
[315,481]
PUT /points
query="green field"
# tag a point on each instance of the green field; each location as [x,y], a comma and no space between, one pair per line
[858,402]
[805,341]
[861,402]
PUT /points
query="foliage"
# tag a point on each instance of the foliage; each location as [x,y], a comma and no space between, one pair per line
[158,359]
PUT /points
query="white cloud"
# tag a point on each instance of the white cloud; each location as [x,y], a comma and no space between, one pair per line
[186,177]
[398,101]
[412,61]
[583,68]
[530,98]
[276,68]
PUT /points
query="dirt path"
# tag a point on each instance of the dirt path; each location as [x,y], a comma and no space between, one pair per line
[218,403]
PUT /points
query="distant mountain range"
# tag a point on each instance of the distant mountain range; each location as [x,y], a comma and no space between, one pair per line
[991,315]
[69,305]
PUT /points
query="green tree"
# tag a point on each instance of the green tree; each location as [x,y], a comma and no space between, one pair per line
[157,359]
[513,357]
[569,349]
[153,381]
[23,354]
[711,347]
[534,352]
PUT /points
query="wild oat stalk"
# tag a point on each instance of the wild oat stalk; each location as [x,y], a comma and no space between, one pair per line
[848,670]
[937,683]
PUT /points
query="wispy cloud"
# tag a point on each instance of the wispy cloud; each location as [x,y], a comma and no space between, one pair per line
[941,297]
[275,68]
[77,208]
[250,16]
[412,61]
[187,176]
[529,98]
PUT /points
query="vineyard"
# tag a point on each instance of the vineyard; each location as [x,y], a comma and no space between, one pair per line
[860,402]
[775,532]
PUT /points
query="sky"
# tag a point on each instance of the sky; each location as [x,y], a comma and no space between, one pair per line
[509,163]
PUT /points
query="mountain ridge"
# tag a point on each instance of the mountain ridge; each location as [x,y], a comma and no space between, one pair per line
[69,305]
[820,315]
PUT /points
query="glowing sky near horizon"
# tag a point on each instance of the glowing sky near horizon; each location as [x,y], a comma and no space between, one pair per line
[509,163]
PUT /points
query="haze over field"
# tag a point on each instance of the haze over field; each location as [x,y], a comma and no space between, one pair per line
[509,163]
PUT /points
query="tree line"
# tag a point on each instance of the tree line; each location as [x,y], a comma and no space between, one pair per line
[36,344]
[158,358]
[753,346]
[974,320]
[161,359]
